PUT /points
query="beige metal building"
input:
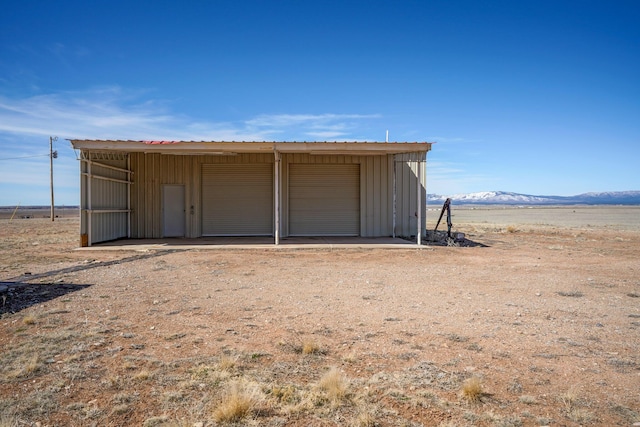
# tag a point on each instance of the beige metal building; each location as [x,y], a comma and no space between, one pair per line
[156,189]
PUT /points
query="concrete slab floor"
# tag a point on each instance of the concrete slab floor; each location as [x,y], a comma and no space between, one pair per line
[220,243]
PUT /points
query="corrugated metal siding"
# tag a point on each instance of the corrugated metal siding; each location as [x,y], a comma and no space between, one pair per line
[406,197]
[104,195]
[237,199]
[376,189]
[145,196]
[376,192]
[324,199]
[84,202]
[108,226]
[153,170]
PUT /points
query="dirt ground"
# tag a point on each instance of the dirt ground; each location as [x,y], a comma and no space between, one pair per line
[535,325]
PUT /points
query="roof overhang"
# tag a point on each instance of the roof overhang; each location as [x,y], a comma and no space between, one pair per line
[234,147]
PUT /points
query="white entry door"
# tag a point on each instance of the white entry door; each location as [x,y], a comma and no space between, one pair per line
[173,211]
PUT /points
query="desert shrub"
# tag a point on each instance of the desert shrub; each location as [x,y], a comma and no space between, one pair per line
[143,375]
[8,421]
[29,320]
[574,294]
[580,416]
[527,400]
[310,347]
[227,363]
[236,405]
[472,390]
[334,385]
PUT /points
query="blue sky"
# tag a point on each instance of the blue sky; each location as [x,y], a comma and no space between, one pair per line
[539,97]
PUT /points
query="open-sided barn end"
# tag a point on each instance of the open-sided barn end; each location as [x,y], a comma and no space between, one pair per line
[157,189]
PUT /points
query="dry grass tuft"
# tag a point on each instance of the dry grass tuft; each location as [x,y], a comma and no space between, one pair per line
[227,363]
[128,365]
[236,405]
[7,421]
[365,418]
[284,394]
[569,400]
[580,416]
[335,385]
[156,421]
[305,347]
[472,390]
[120,409]
[29,320]
[351,357]
[32,365]
[201,371]
[309,347]
[527,400]
[27,366]
[143,375]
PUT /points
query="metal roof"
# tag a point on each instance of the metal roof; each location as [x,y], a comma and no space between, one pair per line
[213,147]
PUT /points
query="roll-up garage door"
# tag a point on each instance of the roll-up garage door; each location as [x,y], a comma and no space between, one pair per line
[324,199]
[237,199]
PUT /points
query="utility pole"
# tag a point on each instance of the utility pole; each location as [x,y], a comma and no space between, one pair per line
[52,155]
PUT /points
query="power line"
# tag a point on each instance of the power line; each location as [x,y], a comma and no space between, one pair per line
[26,157]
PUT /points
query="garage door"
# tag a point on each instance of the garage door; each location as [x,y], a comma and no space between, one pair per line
[324,200]
[237,200]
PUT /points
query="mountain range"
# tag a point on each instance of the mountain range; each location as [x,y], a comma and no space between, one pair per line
[507,198]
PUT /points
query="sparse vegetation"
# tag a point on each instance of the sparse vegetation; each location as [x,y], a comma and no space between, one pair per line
[29,320]
[365,418]
[143,375]
[8,421]
[156,421]
[195,340]
[335,385]
[580,416]
[528,400]
[574,408]
[472,390]
[236,404]
[458,338]
[309,347]
[227,363]
[573,294]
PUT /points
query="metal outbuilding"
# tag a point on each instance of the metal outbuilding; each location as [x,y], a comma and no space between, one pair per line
[157,189]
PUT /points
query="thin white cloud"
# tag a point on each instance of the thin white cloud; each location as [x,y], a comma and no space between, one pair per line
[315,126]
[310,120]
[69,113]
[114,113]
[110,112]
[328,134]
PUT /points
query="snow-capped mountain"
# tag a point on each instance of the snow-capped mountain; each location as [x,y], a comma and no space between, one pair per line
[507,198]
